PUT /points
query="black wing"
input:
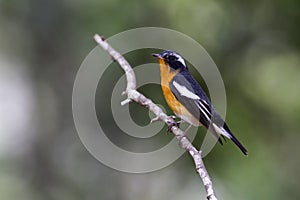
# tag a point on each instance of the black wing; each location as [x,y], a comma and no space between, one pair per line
[183,87]
[187,90]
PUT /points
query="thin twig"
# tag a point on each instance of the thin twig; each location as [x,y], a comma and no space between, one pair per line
[134,95]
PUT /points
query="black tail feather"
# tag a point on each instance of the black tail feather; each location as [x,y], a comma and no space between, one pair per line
[224,138]
[220,141]
[219,135]
[235,140]
[230,136]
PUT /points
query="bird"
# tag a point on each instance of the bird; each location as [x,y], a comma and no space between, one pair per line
[187,99]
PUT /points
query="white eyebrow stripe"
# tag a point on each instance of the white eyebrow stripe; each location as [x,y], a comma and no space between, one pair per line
[183,91]
[180,59]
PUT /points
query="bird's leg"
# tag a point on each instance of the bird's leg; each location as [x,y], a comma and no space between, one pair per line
[187,129]
[177,123]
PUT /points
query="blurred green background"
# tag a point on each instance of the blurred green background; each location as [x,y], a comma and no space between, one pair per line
[255,45]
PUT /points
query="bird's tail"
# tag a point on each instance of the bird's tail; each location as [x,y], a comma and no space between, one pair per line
[224,131]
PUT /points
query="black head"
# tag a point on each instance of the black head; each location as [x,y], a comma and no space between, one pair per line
[172,58]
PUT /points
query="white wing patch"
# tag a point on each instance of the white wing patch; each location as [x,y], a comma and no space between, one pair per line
[183,91]
[180,59]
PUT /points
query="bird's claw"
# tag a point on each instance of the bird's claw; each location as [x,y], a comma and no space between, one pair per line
[176,123]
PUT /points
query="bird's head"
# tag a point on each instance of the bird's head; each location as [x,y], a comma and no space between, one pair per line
[173,59]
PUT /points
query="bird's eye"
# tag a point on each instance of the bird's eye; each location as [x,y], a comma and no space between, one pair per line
[172,58]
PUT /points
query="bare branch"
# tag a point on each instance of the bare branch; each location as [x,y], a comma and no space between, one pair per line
[134,95]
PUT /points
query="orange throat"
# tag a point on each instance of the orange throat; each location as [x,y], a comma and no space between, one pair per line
[167,75]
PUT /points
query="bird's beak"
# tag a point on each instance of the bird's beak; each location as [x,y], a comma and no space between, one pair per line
[157,55]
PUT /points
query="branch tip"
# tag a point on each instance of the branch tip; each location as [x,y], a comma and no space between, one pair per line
[97,38]
[126,101]
[155,119]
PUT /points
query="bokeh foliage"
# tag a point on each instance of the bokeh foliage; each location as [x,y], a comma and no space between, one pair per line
[255,44]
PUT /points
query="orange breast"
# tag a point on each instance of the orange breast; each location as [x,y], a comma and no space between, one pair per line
[166,76]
